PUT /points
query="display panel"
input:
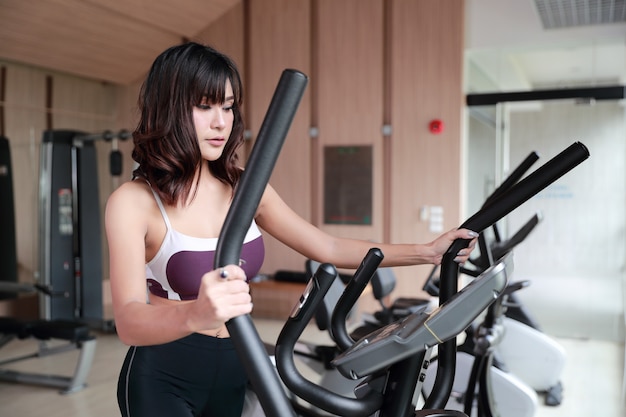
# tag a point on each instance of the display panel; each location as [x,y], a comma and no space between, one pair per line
[348,185]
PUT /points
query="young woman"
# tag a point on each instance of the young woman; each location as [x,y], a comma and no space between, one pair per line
[162,229]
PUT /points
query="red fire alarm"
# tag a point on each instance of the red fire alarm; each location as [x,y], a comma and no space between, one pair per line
[436,126]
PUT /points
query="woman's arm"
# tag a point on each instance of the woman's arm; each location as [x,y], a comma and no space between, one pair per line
[279,220]
[138,323]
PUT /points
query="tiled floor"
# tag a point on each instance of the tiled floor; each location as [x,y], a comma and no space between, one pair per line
[592,379]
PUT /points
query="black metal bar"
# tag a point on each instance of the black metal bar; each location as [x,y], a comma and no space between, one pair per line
[398,397]
[247,196]
[487,216]
[513,177]
[350,295]
[597,93]
[366,404]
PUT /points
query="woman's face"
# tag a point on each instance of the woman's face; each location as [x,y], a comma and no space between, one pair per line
[213,123]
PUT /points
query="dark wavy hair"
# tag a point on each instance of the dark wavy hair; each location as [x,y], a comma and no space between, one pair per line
[165,141]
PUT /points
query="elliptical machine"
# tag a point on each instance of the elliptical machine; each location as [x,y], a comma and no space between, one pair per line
[423,331]
[524,350]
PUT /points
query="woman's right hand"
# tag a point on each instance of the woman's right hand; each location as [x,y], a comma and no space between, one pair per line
[223,294]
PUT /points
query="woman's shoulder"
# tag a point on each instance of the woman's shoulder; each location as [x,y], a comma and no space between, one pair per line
[135,194]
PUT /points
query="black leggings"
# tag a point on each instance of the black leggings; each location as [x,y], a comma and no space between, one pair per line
[195,376]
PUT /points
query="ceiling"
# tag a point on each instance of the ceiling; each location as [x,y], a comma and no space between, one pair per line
[110,40]
[510,44]
[517,45]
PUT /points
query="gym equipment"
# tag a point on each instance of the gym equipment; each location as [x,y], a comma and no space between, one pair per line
[391,358]
[525,357]
[525,351]
[8,250]
[247,342]
[383,283]
[533,357]
[70,239]
[54,337]
[475,373]
[318,357]
[513,396]
[516,194]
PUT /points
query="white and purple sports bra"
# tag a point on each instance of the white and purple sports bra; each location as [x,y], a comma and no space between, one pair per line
[176,270]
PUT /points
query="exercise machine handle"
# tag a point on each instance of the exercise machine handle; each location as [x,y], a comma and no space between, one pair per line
[248,344]
[350,295]
[321,397]
[513,177]
[499,249]
[517,194]
[505,203]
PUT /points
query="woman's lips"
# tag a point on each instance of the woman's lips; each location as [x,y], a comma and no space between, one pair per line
[216,141]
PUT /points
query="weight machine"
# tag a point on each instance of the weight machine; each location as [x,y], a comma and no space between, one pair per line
[70,242]
[8,250]
[57,331]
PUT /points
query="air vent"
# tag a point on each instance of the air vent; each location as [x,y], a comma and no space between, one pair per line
[556,14]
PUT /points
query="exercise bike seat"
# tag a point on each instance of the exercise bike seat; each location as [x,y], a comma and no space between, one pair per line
[383,283]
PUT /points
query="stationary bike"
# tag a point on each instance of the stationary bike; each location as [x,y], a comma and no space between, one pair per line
[479,360]
[526,351]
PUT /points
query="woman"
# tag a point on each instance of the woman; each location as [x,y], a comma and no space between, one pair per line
[162,229]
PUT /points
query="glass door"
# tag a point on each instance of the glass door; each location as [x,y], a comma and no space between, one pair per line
[575,258]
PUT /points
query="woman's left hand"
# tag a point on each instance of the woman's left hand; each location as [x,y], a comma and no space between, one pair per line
[443,242]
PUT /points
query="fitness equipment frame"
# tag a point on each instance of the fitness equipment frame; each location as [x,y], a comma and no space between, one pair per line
[502,204]
[391,378]
[54,337]
[8,250]
[67,335]
[70,243]
[524,361]
[248,344]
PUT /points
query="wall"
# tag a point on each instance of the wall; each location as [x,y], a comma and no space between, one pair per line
[371,63]
[426,83]
[34,100]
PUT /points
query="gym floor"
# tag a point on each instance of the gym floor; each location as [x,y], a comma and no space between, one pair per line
[592,378]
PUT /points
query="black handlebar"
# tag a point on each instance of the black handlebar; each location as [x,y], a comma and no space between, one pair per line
[491,213]
[350,295]
[513,178]
[248,344]
[365,404]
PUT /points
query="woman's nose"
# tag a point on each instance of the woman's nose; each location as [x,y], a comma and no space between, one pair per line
[219,122]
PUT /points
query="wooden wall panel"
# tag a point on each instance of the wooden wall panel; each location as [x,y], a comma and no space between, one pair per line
[279,38]
[227,34]
[350,94]
[427,54]
[363,74]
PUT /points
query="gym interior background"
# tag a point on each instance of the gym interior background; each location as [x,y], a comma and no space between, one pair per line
[381,71]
